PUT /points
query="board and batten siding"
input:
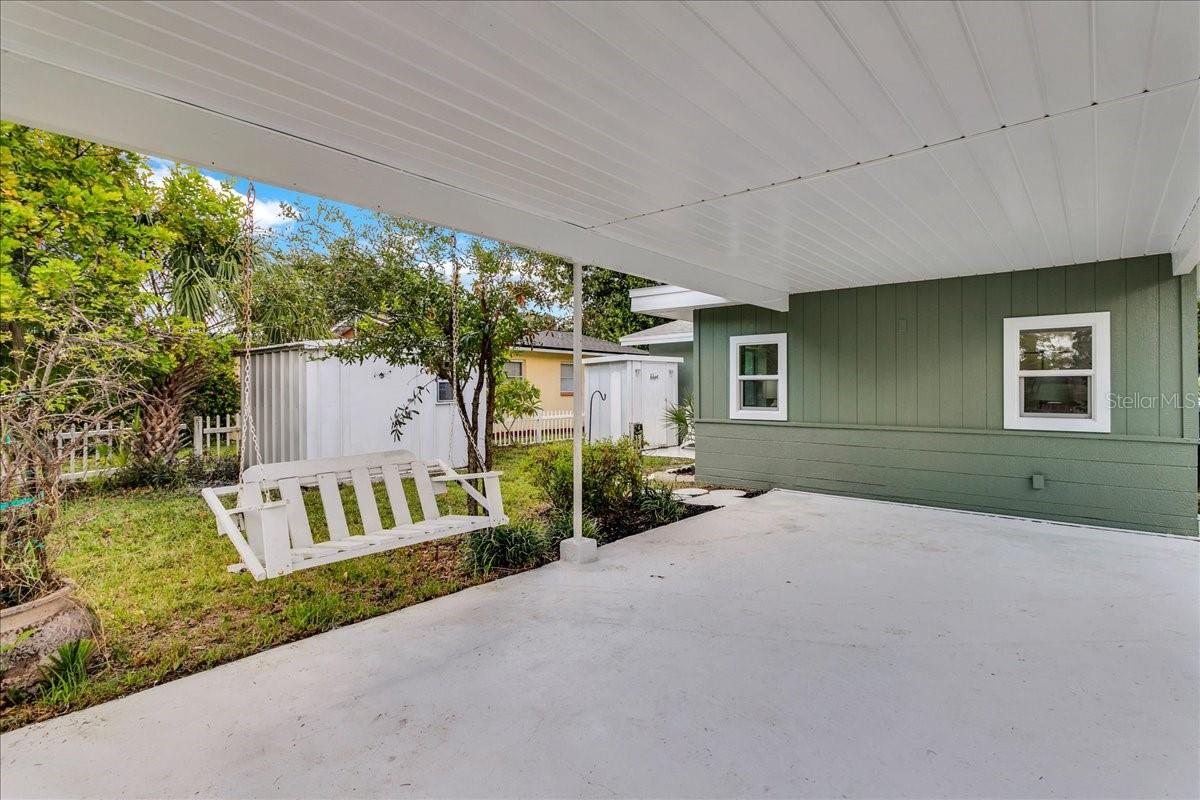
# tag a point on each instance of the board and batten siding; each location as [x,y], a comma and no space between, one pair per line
[895,392]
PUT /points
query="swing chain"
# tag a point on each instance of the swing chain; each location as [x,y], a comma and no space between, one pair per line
[248,429]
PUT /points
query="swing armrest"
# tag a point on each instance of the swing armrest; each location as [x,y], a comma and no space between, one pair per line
[258,507]
[467,476]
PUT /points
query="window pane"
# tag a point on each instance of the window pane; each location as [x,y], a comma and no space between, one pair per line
[514,369]
[1060,396]
[760,394]
[758,359]
[1058,348]
[566,378]
[443,392]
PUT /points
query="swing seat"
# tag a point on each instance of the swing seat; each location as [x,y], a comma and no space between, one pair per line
[270,527]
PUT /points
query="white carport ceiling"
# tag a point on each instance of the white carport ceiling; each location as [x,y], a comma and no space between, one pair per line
[744,149]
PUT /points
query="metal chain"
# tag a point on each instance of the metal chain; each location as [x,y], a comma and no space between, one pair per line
[248,429]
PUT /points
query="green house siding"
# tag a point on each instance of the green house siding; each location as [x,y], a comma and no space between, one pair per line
[680,350]
[895,392]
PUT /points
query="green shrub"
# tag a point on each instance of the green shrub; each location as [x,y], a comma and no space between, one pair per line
[155,473]
[514,546]
[65,676]
[659,505]
[612,477]
[562,527]
[213,470]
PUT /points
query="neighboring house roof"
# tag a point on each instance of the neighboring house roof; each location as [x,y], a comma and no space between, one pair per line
[677,330]
[561,341]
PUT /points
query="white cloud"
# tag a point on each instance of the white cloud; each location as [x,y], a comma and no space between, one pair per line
[267,213]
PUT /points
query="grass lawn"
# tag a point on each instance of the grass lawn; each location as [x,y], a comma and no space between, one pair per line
[152,567]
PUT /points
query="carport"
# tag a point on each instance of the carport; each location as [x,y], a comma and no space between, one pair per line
[794,645]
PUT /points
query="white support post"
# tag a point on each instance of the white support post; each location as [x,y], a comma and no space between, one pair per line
[577,549]
[197,433]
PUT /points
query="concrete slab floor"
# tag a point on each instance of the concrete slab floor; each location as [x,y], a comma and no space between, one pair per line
[790,646]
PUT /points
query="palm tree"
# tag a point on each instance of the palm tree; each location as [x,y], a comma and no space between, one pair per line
[196,301]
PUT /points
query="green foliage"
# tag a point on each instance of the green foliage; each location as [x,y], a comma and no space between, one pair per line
[612,476]
[213,470]
[66,674]
[172,473]
[561,526]
[200,268]
[23,567]
[606,312]
[154,473]
[289,301]
[515,546]
[516,398]
[75,230]
[680,417]
[219,392]
[659,505]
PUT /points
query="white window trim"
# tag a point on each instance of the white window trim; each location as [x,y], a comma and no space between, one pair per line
[519,361]
[735,380]
[437,392]
[1101,419]
[563,392]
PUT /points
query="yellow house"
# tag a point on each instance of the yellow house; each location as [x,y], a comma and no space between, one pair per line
[546,363]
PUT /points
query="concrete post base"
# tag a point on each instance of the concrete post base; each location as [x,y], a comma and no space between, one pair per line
[577,551]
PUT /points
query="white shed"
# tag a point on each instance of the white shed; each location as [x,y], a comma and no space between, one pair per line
[628,391]
[308,404]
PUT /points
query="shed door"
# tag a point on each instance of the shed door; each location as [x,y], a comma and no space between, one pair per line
[654,383]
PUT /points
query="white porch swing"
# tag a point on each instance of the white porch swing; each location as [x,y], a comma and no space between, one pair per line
[270,527]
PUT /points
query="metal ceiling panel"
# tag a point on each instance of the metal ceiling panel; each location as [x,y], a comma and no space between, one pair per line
[784,146]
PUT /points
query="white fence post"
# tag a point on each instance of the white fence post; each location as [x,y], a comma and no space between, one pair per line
[197,433]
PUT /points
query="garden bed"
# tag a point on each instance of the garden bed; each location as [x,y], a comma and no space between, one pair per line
[151,566]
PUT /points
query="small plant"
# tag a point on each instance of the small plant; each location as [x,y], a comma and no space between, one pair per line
[660,505]
[681,417]
[562,527]
[154,473]
[65,676]
[515,546]
[316,613]
[213,470]
[612,477]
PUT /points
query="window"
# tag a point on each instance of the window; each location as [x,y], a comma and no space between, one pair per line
[1056,373]
[514,369]
[566,378]
[758,376]
[444,395]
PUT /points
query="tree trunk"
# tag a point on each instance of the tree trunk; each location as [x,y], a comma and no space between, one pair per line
[162,414]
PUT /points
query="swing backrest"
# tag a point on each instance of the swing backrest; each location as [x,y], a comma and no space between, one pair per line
[327,474]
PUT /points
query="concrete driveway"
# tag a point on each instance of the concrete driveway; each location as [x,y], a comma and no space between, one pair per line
[792,645]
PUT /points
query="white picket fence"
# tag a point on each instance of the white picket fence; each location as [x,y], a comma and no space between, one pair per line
[105,448]
[547,426]
[102,452]
[215,432]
